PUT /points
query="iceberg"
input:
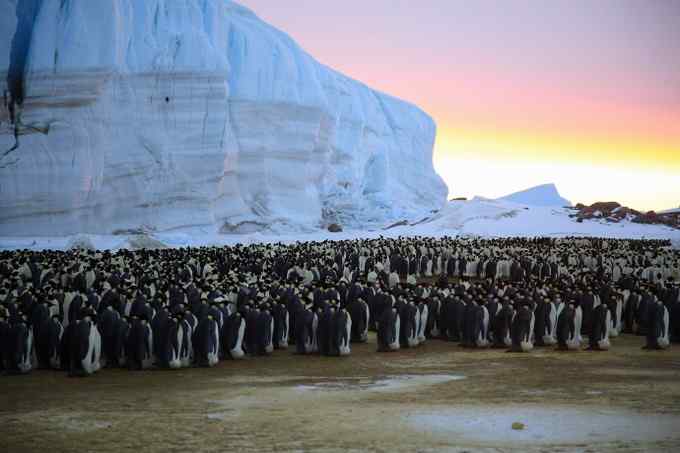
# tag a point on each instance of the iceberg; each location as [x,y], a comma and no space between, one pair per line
[159,115]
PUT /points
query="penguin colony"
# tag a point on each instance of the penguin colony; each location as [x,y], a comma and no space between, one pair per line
[80,311]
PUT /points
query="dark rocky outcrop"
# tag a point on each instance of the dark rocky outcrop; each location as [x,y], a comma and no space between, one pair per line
[614,212]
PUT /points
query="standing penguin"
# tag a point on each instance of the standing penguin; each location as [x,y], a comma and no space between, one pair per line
[674,321]
[493,306]
[159,326]
[281,326]
[186,352]
[206,342]
[502,325]
[587,305]
[433,325]
[265,332]
[568,328]
[423,315]
[360,315]
[545,319]
[233,335]
[19,348]
[139,345]
[117,353]
[108,320]
[615,313]
[251,316]
[306,323]
[324,331]
[630,311]
[522,330]
[40,320]
[455,319]
[470,325]
[658,331]
[389,330]
[599,333]
[55,331]
[342,333]
[4,340]
[481,331]
[168,342]
[409,320]
[85,346]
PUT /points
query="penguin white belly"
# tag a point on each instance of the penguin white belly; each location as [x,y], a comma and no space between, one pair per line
[26,360]
[214,353]
[527,343]
[97,353]
[664,339]
[345,343]
[174,362]
[394,346]
[423,324]
[88,361]
[269,347]
[237,351]
[283,343]
[413,335]
[364,334]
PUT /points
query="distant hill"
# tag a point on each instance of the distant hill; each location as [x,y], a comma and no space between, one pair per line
[544,195]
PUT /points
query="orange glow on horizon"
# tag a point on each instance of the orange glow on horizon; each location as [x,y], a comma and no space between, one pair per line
[517,145]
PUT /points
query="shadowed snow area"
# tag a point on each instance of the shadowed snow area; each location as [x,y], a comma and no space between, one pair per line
[545,425]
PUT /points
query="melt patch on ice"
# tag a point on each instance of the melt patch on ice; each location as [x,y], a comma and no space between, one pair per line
[544,425]
[387,384]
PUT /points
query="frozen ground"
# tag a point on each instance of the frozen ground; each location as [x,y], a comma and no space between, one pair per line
[479,217]
[438,397]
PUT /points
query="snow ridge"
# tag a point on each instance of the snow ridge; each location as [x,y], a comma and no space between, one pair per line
[543,195]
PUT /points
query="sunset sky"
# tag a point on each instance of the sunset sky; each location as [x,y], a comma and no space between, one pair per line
[585,94]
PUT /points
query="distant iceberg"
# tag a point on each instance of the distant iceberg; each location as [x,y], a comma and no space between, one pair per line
[544,195]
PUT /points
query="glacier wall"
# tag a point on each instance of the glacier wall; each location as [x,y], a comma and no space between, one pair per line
[166,114]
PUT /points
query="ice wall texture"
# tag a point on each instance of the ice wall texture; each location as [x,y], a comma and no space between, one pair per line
[165,114]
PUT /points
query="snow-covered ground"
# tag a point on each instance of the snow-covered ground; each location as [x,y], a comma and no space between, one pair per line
[479,217]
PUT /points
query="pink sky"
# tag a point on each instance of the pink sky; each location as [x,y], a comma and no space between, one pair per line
[592,86]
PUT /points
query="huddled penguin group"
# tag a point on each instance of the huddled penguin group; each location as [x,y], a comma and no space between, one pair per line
[81,311]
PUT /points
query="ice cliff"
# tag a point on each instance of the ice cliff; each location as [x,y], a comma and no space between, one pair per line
[164,114]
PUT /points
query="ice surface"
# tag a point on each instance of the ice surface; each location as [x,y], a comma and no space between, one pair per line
[386,384]
[544,425]
[544,195]
[160,116]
